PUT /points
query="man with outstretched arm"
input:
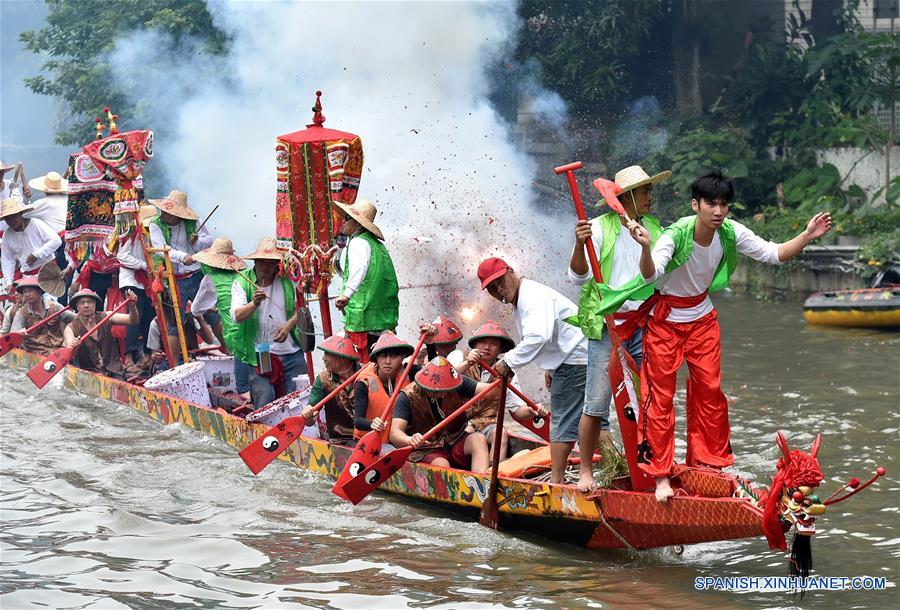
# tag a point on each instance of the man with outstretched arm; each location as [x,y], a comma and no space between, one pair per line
[694,256]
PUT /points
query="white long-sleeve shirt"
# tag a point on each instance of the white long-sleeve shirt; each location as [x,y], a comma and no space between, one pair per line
[38,238]
[131,259]
[695,276]
[547,339]
[206,298]
[271,315]
[626,263]
[52,210]
[357,256]
[180,246]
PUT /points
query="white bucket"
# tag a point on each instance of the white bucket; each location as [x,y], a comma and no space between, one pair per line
[186,382]
[219,371]
[284,407]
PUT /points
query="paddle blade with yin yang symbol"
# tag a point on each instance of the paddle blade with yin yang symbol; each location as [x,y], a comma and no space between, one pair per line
[263,451]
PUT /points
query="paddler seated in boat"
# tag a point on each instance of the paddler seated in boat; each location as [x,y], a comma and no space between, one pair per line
[489,341]
[548,340]
[443,336]
[341,358]
[99,353]
[176,228]
[437,392]
[10,313]
[369,292]
[48,337]
[374,386]
[619,257]
[267,337]
[694,256]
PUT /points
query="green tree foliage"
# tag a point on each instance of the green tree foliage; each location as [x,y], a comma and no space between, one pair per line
[584,46]
[77,39]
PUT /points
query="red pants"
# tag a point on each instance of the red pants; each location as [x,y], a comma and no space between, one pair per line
[361,341]
[666,346]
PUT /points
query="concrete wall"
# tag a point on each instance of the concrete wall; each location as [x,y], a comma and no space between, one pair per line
[868,172]
[818,268]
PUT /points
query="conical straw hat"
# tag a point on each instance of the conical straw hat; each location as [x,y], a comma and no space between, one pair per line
[13,206]
[266,249]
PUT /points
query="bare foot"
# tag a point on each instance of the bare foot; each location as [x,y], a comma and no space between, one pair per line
[664,489]
[586,482]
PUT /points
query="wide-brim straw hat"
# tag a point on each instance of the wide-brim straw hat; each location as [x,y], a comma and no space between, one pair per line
[175,203]
[51,183]
[147,214]
[29,281]
[221,256]
[86,292]
[266,250]
[4,167]
[51,279]
[13,206]
[363,212]
[634,176]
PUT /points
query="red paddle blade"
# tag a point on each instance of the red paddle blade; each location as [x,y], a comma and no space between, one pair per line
[539,425]
[364,455]
[627,414]
[609,190]
[44,371]
[369,479]
[10,342]
[263,451]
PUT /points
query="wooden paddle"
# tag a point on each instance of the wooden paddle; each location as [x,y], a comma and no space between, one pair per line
[370,478]
[618,361]
[205,220]
[490,514]
[47,369]
[368,448]
[263,451]
[538,424]
[14,339]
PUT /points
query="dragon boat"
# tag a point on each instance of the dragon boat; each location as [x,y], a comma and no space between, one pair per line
[864,308]
[711,505]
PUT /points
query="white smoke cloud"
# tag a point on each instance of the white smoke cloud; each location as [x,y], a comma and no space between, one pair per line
[409,78]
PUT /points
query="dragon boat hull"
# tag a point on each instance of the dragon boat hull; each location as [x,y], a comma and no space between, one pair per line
[610,518]
[866,308]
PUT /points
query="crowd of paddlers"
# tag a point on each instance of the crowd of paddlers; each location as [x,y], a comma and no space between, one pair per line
[651,284]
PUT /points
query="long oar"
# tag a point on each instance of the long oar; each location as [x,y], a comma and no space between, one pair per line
[538,424]
[368,448]
[628,425]
[47,369]
[263,451]
[490,514]
[14,339]
[380,471]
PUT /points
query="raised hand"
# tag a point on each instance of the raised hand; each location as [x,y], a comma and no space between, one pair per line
[818,225]
[638,233]
[583,232]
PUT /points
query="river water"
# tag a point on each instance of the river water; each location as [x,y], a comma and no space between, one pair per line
[103,508]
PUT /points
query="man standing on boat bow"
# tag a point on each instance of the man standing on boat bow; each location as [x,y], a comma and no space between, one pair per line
[694,256]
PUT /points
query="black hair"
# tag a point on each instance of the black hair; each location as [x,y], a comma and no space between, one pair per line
[712,186]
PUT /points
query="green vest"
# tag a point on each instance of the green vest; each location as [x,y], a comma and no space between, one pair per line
[190,227]
[243,338]
[375,305]
[682,233]
[222,281]
[589,319]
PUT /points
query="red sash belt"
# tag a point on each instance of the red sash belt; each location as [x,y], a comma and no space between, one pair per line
[664,304]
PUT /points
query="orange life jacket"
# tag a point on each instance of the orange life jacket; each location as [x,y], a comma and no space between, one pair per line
[378,399]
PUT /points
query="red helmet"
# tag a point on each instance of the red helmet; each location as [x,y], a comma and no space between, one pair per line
[438,376]
[447,331]
[337,345]
[492,330]
[389,340]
